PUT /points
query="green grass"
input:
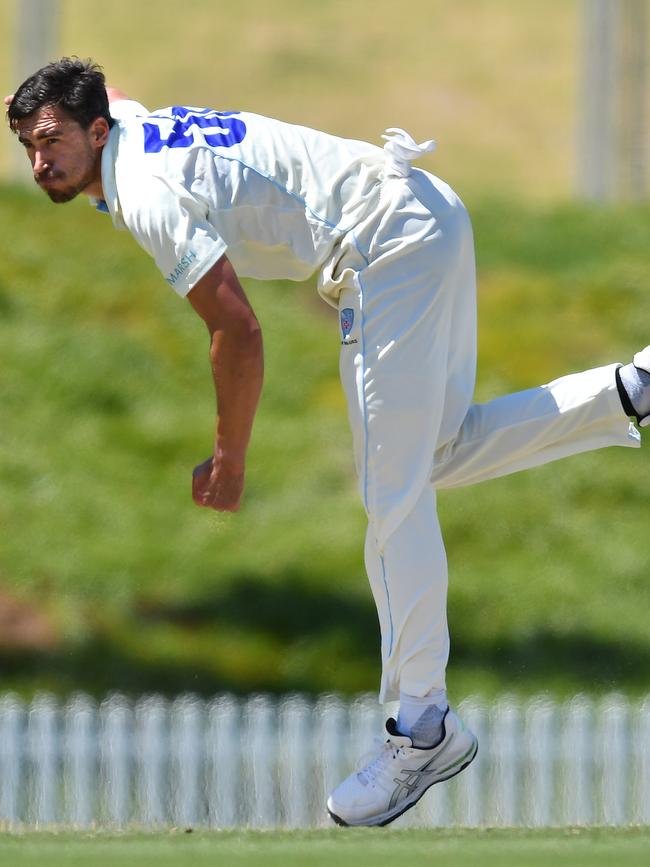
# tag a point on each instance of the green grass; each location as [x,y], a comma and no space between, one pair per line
[362,848]
[107,405]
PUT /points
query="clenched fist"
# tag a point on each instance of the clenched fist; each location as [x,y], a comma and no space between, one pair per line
[218,485]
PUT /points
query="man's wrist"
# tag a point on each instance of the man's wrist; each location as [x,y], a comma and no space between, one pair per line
[233,460]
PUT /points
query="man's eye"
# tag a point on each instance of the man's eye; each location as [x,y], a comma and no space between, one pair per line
[52,140]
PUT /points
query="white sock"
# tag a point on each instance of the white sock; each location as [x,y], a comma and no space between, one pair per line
[420,718]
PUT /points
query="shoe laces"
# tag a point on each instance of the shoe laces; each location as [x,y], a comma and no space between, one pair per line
[372,764]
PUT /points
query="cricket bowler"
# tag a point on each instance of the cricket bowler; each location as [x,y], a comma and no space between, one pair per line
[216,195]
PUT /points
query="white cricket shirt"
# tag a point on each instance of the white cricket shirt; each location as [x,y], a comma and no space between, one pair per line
[191,184]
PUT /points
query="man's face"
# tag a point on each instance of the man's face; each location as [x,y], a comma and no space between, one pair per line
[65,158]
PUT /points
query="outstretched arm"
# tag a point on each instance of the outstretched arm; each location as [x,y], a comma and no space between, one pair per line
[236,358]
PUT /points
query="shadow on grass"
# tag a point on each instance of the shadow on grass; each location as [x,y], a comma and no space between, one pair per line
[331,630]
[289,610]
[577,662]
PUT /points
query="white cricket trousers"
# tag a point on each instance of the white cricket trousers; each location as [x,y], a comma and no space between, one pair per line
[407,364]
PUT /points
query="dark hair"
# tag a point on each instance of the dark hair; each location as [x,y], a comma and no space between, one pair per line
[77,86]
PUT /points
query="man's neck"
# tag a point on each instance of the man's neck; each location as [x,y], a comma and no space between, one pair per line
[94,189]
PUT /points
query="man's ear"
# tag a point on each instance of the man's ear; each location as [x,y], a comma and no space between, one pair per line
[99,130]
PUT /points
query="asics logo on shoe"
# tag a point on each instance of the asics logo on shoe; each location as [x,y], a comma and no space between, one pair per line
[412,781]
[415,778]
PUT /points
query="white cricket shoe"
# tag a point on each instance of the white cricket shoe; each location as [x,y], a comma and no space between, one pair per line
[400,774]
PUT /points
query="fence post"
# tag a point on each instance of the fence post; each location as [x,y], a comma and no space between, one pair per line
[330,733]
[35,41]
[151,742]
[224,782]
[80,760]
[187,760]
[613,137]
[576,745]
[12,726]
[540,755]
[260,737]
[641,761]
[505,739]
[116,739]
[470,800]
[296,761]
[612,758]
[43,741]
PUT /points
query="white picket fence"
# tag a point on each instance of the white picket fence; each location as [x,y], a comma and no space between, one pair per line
[264,763]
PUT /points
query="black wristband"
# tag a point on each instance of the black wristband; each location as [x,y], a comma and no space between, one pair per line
[628,409]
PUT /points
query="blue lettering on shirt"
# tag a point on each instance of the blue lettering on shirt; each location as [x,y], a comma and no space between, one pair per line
[181,267]
[227,130]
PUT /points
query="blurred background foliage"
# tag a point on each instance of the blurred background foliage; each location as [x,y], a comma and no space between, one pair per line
[110,578]
[494,81]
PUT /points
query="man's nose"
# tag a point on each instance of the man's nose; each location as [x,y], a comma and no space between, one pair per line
[40,163]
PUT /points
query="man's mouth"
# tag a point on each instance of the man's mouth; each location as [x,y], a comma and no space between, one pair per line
[48,180]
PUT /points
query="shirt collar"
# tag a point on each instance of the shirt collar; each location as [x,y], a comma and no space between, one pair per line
[111,203]
[100,205]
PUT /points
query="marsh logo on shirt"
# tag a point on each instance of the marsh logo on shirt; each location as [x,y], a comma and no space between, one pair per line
[181,267]
[347,321]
